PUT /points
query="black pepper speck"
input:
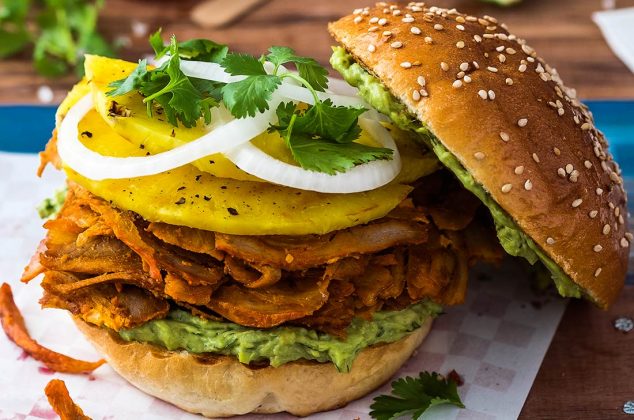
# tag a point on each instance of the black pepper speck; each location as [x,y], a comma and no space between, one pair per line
[232,211]
[180,201]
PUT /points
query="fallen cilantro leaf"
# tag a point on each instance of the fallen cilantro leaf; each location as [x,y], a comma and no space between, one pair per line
[309,69]
[413,396]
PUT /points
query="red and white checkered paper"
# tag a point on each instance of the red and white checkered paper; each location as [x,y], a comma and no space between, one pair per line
[496,340]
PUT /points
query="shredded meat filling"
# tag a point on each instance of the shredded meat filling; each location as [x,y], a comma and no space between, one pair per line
[112,268]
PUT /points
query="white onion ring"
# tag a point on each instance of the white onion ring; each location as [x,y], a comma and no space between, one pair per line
[363,177]
[97,167]
[215,73]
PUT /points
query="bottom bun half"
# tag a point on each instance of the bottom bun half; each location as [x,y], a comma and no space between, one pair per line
[221,386]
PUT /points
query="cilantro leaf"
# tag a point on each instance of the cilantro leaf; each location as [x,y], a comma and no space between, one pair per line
[251,95]
[309,69]
[337,123]
[193,49]
[243,64]
[413,396]
[329,157]
[312,137]
[133,82]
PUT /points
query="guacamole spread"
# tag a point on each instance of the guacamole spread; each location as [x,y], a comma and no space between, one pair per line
[512,238]
[279,345]
[49,207]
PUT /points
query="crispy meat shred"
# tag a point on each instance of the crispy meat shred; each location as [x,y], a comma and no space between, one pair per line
[112,268]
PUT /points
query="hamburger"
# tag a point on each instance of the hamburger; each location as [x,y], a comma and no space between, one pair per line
[227,288]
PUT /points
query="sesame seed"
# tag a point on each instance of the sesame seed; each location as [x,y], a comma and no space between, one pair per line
[621,220]
[438,27]
[467,79]
[509,81]
[488,36]
[510,51]
[569,168]
[421,80]
[464,66]
[460,27]
[407,20]
[460,44]
[500,48]
[624,243]
[460,75]
[506,188]
[358,19]
[415,30]
[460,19]
[477,38]
[482,93]
[428,40]
[416,95]
[611,205]
[522,68]
[586,126]
[560,111]
[577,203]
[416,9]
[502,58]
[596,273]
[556,151]
[492,69]
[396,44]
[373,28]
[528,185]
[374,20]
[614,177]
[478,155]
[535,157]
[593,214]
[457,83]
[387,33]
[504,136]
[423,93]
[371,48]
[491,95]
[396,13]
[444,66]
[519,170]
[382,22]
[587,164]
[574,176]
[522,122]
[539,68]
[617,211]
[406,64]
[550,241]
[606,229]
[597,248]
[599,191]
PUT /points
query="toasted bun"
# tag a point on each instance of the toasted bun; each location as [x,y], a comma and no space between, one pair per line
[220,386]
[566,192]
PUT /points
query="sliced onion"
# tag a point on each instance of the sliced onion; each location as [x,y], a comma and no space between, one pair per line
[94,166]
[363,177]
[215,72]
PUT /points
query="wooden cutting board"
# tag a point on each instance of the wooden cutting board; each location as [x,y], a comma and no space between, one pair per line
[219,13]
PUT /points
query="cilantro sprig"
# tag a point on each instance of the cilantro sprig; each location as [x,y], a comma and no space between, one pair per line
[321,136]
[413,396]
[182,98]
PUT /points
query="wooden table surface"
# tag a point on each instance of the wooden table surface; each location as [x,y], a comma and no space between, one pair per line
[587,372]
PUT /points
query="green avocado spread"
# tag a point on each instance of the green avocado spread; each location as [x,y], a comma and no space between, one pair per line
[512,238]
[181,330]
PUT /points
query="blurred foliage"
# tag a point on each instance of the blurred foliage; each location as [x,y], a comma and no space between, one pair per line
[59,31]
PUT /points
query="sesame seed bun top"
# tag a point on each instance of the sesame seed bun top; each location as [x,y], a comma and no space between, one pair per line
[507,117]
